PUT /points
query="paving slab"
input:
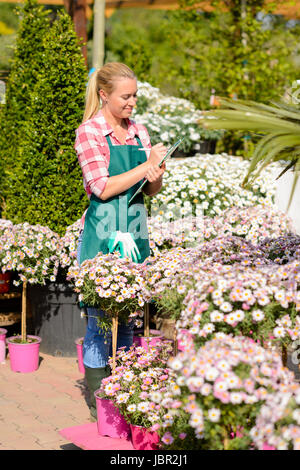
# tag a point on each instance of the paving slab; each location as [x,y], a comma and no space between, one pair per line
[36,405]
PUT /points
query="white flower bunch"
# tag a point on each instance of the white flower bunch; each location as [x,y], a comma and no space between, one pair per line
[206,185]
[169,118]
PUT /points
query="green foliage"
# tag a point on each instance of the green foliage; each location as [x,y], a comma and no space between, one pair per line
[46,184]
[196,52]
[22,79]
[134,43]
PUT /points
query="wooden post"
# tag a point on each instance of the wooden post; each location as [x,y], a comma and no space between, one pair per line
[99,33]
[114,340]
[77,9]
[24,312]
[175,351]
[146,321]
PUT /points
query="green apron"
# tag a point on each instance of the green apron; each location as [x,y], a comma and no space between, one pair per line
[104,217]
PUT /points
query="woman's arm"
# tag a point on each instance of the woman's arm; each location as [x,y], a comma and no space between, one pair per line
[119,183]
[150,170]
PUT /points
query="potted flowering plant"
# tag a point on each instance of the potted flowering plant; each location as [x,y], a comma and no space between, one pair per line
[136,388]
[222,386]
[31,251]
[111,283]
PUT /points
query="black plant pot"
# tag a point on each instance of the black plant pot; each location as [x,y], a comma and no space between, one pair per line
[206,146]
[56,318]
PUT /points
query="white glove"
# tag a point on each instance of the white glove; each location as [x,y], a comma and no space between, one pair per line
[125,244]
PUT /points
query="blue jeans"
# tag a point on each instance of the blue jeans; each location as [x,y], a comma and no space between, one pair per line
[97,346]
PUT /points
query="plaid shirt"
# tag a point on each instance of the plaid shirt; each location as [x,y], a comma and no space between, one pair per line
[93,150]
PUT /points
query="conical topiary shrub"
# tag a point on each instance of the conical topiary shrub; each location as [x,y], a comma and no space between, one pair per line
[34,23]
[46,187]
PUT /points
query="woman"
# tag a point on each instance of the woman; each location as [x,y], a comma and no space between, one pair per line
[110,151]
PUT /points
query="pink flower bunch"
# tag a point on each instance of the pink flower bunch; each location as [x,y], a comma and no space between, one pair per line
[223,385]
[259,302]
[278,422]
[184,232]
[32,251]
[253,223]
[141,383]
[112,283]
[162,269]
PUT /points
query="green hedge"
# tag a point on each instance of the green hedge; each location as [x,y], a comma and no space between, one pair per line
[45,186]
[22,79]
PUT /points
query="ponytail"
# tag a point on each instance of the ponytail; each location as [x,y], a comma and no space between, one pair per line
[92,98]
[103,78]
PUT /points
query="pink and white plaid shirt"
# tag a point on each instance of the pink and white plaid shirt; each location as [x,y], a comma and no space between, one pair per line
[93,150]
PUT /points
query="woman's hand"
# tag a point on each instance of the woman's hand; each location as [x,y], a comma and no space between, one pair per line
[154,173]
[157,153]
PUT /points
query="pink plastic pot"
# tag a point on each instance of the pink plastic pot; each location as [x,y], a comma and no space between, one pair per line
[3,332]
[110,422]
[79,347]
[145,341]
[267,447]
[24,357]
[143,439]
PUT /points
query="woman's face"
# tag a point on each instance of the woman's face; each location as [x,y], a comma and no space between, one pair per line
[123,98]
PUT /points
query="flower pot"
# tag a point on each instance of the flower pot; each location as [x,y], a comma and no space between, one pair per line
[167,328]
[24,357]
[110,422]
[144,341]
[3,332]
[79,346]
[143,439]
[267,447]
[5,282]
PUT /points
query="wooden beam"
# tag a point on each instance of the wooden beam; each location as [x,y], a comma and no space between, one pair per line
[77,11]
[290,10]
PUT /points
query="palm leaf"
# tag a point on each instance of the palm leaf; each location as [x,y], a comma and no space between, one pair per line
[296,176]
[279,109]
[290,165]
[279,122]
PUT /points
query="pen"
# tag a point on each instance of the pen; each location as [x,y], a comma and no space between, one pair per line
[144,148]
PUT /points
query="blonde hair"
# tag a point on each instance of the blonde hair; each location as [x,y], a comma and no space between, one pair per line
[103,78]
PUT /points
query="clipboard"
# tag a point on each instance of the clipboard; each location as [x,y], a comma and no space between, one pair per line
[168,154]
